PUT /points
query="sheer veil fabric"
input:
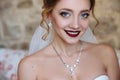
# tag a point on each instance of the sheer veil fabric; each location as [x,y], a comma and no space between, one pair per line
[37,43]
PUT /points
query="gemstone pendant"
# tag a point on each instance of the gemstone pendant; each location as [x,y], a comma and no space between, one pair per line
[69,67]
[72,70]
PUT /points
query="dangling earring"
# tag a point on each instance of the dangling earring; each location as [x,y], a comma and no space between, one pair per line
[49,22]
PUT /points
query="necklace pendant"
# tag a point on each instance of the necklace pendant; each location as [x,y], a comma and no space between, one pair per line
[72,69]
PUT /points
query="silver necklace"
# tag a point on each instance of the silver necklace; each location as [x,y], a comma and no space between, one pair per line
[71,68]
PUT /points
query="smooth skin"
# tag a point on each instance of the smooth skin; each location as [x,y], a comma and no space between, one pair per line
[96,59]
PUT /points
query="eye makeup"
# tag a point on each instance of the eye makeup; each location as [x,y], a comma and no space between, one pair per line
[65,14]
[84,15]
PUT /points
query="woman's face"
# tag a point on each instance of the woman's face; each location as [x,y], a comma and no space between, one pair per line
[70,19]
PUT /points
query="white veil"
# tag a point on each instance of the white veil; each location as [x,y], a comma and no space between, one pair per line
[37,43]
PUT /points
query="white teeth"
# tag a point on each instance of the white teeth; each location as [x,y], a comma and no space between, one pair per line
[73,32]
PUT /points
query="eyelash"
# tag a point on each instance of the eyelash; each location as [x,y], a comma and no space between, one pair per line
[85,15]
[65,14]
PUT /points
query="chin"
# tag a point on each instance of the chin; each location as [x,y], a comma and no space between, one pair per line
[72,41]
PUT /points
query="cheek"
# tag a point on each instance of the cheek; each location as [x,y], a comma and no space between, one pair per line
[60,23]
[85,24]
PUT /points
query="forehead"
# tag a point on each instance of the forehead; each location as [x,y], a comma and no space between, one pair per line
[73,4]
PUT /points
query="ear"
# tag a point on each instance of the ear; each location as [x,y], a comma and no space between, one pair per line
[49,20]
[49,17]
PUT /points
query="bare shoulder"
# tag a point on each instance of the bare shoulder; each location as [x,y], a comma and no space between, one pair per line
[25,68]
[28,67]
[108,55]
[101,49]
[27,62]
[106,50]
[31,61]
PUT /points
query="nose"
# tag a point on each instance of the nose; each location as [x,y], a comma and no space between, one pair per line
[75,23]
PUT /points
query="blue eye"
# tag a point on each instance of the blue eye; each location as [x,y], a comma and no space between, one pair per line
[85,15]
[65,14]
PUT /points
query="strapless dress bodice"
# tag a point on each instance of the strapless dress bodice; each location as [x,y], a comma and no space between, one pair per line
[102,77]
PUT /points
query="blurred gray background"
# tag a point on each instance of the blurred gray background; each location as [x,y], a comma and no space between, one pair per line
[20,18]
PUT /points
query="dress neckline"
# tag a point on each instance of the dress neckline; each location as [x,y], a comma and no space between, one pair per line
[102,77]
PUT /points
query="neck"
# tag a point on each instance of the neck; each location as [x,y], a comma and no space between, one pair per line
[66,48]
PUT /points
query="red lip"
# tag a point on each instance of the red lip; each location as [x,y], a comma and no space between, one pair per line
[72,33]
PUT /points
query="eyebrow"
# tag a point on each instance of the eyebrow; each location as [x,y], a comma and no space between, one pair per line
[84,10]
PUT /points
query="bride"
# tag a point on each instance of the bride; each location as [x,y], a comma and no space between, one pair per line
[64,48]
